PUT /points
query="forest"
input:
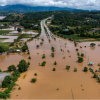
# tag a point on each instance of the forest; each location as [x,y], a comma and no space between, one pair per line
[81,24]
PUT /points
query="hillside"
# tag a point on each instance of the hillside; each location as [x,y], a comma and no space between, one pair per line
[24,8]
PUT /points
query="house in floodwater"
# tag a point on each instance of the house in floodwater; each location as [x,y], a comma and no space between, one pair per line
[66,30]
[94,30]
[14,51]
[21,39]
[2,76]
[90,63]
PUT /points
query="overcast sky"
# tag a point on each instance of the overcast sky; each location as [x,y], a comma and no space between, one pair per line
[79,4]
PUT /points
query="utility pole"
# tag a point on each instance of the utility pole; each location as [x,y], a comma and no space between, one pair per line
[72,94]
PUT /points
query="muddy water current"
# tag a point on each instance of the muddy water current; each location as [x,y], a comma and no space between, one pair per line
[70,84]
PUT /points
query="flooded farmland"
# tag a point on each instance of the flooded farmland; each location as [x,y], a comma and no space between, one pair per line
[70,84]
[2,17]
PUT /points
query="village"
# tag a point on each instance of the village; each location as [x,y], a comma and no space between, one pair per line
[53,66]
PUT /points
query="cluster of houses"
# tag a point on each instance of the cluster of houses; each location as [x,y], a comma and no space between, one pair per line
[13,51]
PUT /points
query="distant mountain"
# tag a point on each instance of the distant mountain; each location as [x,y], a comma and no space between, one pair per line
[24,8]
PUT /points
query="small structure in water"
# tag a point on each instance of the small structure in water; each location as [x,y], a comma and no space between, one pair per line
[21,39]
[66,30]
[14,51]
[90,63]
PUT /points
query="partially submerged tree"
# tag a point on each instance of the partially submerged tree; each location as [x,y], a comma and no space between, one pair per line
[53,49]
[37,46]
[23,66]
[24,48]
[52,54]
[54,69]
[80,59]
[19,29]
[7,81]
[82,54]
[11,68]
[67,67]
[75,69]
[43,63]
[92,44]
[85,69]
[43,56]
[55,63]
[33,80]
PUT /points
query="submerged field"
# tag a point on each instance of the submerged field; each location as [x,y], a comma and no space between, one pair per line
[61,83]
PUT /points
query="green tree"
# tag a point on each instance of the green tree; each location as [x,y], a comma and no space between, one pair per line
[67,67]
[80,59]
[5,24]
[23,66]
[7,80]
[54,69]
[24,48]
[92,44]
[19,29]
[33,80]
[82,54]
[11,68]
[85,69]
[55,63]
[2,49]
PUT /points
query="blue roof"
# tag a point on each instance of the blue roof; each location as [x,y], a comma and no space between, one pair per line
[90,63]
[66,30]
[21,39]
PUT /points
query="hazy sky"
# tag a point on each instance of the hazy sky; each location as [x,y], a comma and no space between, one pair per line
[79,4]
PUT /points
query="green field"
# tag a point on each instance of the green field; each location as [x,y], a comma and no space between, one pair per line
[4,32]
[4,23]
[5,45]
[2,39]
[77,38]
[3,27]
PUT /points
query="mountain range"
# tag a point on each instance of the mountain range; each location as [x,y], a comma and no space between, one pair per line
[24,8]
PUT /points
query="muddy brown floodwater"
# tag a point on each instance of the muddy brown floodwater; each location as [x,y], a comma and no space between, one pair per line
[77,85]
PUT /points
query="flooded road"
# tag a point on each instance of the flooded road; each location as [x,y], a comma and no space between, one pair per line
[70,84]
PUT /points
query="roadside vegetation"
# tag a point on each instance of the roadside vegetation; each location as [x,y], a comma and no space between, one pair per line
[9,81]
[76,26]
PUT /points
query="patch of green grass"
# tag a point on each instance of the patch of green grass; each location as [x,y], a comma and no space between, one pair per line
[4,23]
[4,27]
[75,36]
[4,32]
[5,45]
[15,48]
[2,39]
[24,76]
